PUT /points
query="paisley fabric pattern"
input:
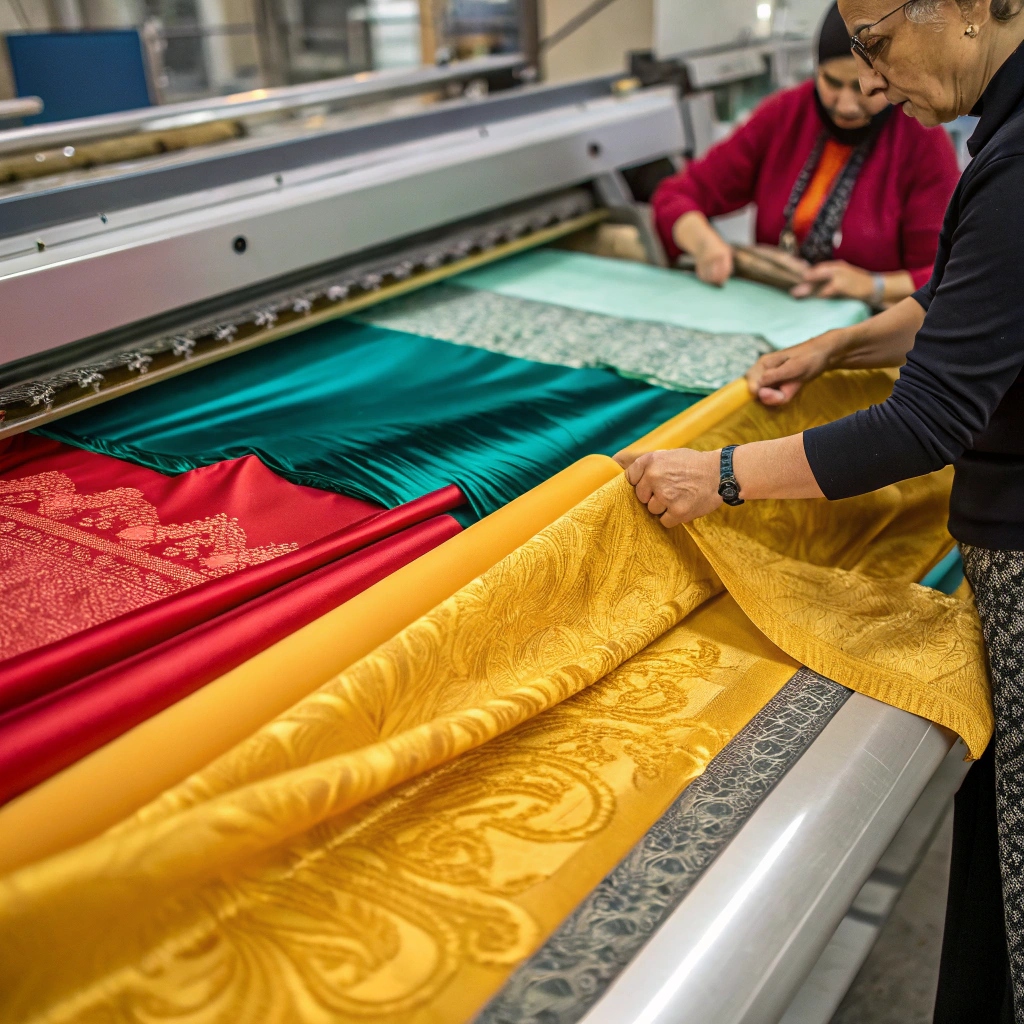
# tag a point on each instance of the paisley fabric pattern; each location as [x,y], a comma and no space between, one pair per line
[997,579]
[151,758]
[85,538]
[663,354]
[574,968]
[394,845]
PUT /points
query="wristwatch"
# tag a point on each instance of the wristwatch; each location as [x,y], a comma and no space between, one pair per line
[729,487]
[878,293]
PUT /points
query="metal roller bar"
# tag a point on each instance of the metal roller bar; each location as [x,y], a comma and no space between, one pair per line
[738,948]
[837,967]
[91,199]
[143,268]
[366,86]
[22,106]
[280,316]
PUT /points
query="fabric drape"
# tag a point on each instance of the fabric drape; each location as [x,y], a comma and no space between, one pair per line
[379,415]
[44,669]
[396,843]
[117,779]
[47,734]
[85,538]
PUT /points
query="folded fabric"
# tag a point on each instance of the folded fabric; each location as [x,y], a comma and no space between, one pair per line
[397,842]
[85,538]
[43,669]
[47,734]
[666,355]
[91,795]
[637,292]
[379,415]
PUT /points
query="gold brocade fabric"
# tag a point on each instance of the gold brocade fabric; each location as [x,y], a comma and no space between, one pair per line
[395,844]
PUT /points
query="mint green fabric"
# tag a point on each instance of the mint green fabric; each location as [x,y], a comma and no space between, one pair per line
[663,354]
[637,292]
[379,414]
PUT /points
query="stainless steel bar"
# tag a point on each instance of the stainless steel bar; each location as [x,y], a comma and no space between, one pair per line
[820,995]
[143,267]
[20,106]
[739,947]
[369,85]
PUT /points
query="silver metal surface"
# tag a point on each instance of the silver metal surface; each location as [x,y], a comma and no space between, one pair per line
[830,979]
[713,66]
[20,106]
[613,191]
[147,262]
[738,948]
[362,87]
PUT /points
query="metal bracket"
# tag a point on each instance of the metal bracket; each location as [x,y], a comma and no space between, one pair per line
[614,193]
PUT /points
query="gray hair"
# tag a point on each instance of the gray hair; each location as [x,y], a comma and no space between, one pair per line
[930,11]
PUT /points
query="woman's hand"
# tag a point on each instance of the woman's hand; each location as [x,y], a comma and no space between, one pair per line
[836,279]
[694,234]
[677,485]
[776,377]
[714,260]
[681,485]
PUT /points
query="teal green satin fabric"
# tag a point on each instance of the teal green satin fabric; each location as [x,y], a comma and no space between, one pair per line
[379,414]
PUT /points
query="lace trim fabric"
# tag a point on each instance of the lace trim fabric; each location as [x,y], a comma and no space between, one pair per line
[661,354]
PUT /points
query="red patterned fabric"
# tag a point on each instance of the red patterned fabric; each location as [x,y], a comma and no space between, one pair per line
[43,669]
[85,538]
[40,738]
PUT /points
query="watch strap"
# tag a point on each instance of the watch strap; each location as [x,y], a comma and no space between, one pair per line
[878,294]
[728,485]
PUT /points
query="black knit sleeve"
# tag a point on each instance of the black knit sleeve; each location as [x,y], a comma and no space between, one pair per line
[968,352]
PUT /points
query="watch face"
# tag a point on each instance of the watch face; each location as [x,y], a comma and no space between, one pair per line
[729,491]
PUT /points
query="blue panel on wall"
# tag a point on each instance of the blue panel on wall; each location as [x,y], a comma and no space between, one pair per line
[79,73]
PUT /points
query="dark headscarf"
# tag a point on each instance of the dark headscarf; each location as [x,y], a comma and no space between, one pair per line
[834,41]
[822,239]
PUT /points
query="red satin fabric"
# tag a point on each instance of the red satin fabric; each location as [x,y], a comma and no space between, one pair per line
[44,669]
[85,538]
[44,736]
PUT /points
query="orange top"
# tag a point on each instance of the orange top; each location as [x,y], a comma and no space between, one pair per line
[833,159]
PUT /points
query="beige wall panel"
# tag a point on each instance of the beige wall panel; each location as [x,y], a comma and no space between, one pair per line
[600,46]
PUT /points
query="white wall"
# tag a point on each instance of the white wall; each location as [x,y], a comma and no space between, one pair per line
[694,24]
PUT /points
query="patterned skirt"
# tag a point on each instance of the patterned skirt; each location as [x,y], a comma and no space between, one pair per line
[988,840]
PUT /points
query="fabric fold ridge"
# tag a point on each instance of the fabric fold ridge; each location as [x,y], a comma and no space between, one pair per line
[43,669]
[55,730]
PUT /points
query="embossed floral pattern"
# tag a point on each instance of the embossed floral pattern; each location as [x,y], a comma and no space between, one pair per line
[570,972]
[75,559]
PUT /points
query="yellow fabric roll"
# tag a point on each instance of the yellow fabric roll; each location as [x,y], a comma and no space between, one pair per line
[104,787]
[392,846]
[684,429]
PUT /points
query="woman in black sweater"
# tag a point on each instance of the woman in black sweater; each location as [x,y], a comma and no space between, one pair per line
[959,400]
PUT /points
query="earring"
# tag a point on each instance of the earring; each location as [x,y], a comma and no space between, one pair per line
[971,31]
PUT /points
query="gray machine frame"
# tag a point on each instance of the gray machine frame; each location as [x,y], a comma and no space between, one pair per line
[280,209]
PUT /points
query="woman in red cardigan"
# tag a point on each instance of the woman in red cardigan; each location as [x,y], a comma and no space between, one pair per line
[841,180]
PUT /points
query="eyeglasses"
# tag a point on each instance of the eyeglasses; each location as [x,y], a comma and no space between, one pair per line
[857,45]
